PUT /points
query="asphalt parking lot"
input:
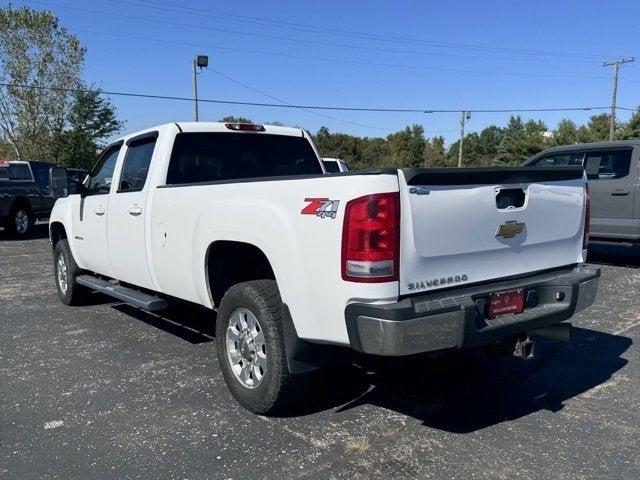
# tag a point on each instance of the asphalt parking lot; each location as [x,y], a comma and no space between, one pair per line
[108,391]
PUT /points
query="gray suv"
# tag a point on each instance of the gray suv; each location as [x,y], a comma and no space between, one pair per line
[612,173]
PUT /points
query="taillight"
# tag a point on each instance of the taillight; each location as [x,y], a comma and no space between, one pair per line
[245,127]
[371,238]
[587,216]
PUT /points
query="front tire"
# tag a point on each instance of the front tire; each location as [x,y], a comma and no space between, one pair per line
[65,271]
[251,348]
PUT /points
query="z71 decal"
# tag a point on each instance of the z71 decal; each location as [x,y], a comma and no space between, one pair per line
[321,207]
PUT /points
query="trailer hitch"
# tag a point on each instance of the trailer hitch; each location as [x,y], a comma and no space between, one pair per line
[524,347]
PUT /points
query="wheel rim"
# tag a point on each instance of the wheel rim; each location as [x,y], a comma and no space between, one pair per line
[62,274]
[246,348]
[21,221]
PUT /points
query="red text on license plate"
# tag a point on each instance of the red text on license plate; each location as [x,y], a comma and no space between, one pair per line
[505,303]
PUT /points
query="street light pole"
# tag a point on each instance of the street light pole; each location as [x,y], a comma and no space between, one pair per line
[465,116]
[616,68]
[195,92]
[201,61]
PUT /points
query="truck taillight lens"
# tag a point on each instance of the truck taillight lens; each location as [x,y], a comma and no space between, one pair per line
[587,217]
[371,238]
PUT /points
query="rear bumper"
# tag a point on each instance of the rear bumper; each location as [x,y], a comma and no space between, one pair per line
[456,320]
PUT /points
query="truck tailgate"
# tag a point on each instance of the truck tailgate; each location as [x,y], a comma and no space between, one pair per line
[461,226]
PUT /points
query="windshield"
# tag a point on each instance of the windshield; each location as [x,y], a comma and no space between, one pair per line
[207,157]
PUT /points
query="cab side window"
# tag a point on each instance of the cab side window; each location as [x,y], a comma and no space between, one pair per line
[608,165]
[41,174]
[99,180]
[560,159]
[136,165]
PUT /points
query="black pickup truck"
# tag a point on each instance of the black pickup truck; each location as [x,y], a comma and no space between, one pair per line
[28,191]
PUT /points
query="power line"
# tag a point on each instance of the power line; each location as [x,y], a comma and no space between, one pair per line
[244,85]
[275,37]
[314,107]
[520,110]
[326,59]
[340,32]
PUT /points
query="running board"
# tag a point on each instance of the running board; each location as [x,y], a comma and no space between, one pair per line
[128,295]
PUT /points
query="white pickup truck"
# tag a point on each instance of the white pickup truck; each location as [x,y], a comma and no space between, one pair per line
[301,264]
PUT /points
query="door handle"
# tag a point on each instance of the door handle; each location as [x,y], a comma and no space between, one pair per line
[620,193]
[135,210]
[100,211]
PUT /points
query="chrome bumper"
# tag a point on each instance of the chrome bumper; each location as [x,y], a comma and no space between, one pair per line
[456,320]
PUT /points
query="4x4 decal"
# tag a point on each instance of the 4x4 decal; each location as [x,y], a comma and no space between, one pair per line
[321,207]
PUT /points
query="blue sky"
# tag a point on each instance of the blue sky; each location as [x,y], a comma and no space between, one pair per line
[415,54]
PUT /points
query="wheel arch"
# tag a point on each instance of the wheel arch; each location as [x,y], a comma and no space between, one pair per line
[57,232]
[229,262]
[21,201]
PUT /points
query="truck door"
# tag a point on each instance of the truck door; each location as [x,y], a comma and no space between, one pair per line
[90,221]
[612,184]
[128,214]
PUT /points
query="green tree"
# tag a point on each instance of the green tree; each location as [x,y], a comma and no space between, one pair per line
[232,119]
[478,149]
[91,120]
[341,145]
[566,133]
[630,129]
[435,154]
[41,61]
[407,147]
[596,129]
[521,140]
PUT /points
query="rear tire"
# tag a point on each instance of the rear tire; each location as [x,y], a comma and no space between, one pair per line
[19,221]
[65,271]
[251,348]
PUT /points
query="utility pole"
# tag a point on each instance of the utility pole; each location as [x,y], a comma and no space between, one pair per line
[201,61]
[465,116]
[616,67]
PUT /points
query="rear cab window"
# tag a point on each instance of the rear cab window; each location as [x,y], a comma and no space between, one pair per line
[215,156]
[19,172]
[41,172]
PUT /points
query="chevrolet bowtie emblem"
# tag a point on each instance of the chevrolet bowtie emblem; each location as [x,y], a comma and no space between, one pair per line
[510,229]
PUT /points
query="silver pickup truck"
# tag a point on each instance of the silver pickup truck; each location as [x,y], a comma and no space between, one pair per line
[612,173]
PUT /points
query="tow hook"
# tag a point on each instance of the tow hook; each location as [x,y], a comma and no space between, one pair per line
[524,348]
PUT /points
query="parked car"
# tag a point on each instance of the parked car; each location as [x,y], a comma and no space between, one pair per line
[26,193]
[304,267]
[335,165]
[612,170]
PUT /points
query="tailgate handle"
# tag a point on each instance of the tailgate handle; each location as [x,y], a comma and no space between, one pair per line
[620,193]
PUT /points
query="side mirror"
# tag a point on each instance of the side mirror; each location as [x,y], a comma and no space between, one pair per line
[59,182]
[80,188]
